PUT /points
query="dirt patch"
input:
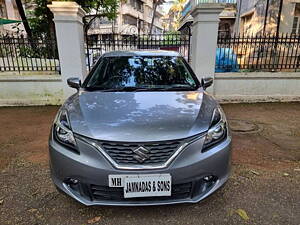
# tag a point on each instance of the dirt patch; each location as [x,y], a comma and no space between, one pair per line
[25,131]
[276,144]
[241,126]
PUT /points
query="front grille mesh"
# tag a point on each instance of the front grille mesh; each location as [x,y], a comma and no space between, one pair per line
[181,191]
[122,153]
[100,193]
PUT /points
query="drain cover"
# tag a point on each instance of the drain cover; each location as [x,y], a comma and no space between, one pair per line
[243,126]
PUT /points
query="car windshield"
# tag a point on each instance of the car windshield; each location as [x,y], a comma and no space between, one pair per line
[143,73]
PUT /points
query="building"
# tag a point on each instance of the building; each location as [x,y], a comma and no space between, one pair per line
[166,22]
[169,21]
[134,17]
[9,10]
[259,16]
[227,18]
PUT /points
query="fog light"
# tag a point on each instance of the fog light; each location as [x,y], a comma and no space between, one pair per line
[71,181]
[208,178]
[74,181]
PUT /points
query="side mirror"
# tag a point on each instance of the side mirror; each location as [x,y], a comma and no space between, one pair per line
[206,82]
[74,82]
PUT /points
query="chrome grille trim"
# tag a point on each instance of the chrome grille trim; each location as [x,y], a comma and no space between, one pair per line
[155,152]
[184,144]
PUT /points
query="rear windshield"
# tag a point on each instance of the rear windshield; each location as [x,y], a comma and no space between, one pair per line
[142,72]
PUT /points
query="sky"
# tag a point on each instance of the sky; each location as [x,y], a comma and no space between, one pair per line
[167,5]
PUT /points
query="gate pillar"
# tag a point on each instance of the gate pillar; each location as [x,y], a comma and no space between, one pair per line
[70,41]
[204,37]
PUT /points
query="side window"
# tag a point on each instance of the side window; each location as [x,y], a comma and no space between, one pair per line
[296,21]
[99,73]
[184,72]
[295,25]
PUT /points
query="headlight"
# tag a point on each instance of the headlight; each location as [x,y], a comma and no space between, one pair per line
[217,130]
[62,130]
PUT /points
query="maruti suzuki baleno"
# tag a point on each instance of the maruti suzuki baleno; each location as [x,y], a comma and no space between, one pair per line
[141,130]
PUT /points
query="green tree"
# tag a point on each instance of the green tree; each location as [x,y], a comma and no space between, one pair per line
[41,18]
[23,17]
[156,3]
[177,7]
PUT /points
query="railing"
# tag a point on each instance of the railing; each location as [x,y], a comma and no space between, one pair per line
[258,53]
[23,54]
[215,1]
[95,47]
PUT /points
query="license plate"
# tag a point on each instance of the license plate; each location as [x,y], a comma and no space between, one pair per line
[149,185]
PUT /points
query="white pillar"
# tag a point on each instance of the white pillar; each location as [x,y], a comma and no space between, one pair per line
[204,38]
[70,41]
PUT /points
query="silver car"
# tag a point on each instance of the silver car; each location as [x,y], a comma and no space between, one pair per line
[141,130]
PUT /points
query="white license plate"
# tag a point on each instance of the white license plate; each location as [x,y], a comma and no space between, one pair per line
[148,185]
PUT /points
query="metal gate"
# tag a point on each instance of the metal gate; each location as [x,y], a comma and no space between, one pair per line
[132,39]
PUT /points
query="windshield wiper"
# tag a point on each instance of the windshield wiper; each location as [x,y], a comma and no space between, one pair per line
[179,89]
[140,89]
[125,89]
[111,89]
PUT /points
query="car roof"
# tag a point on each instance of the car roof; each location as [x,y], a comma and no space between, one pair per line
[141,53]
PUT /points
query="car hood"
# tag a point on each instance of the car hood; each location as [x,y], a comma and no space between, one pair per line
[140,116]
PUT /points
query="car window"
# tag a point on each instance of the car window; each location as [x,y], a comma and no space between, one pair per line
[98,72]
[157,72]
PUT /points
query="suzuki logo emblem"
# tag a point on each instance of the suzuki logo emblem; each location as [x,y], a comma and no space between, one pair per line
[141,154]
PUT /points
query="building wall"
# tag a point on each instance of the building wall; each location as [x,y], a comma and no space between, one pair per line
[252,16]
[227,19]
[287,18]
[16,90]
[41,89]
[257,87]
[246,5]
[132,16]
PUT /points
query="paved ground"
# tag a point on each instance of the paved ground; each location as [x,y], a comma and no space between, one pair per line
[264,187]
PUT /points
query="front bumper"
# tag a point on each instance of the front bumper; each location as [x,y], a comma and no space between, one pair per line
[91,169]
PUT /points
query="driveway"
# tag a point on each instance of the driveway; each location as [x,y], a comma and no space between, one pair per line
[264,187]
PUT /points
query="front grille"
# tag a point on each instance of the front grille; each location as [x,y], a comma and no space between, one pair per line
[154,154]
[123,153]
[183,191]
[104,193]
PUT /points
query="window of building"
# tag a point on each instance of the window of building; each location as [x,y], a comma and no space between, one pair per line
[136,4]
[148,11]
[224,29]
[127,19]
[295,28]
[139,5]
[246,25]
[296,21]
[99,21]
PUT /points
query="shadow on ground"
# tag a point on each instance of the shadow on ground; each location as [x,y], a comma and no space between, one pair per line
[265,180]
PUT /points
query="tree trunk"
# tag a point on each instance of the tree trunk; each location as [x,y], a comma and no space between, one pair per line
[156,2]
[49,16]
[24,19]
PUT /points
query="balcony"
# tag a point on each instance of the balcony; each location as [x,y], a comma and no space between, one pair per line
[192,3]
[187,8]
[129,10]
